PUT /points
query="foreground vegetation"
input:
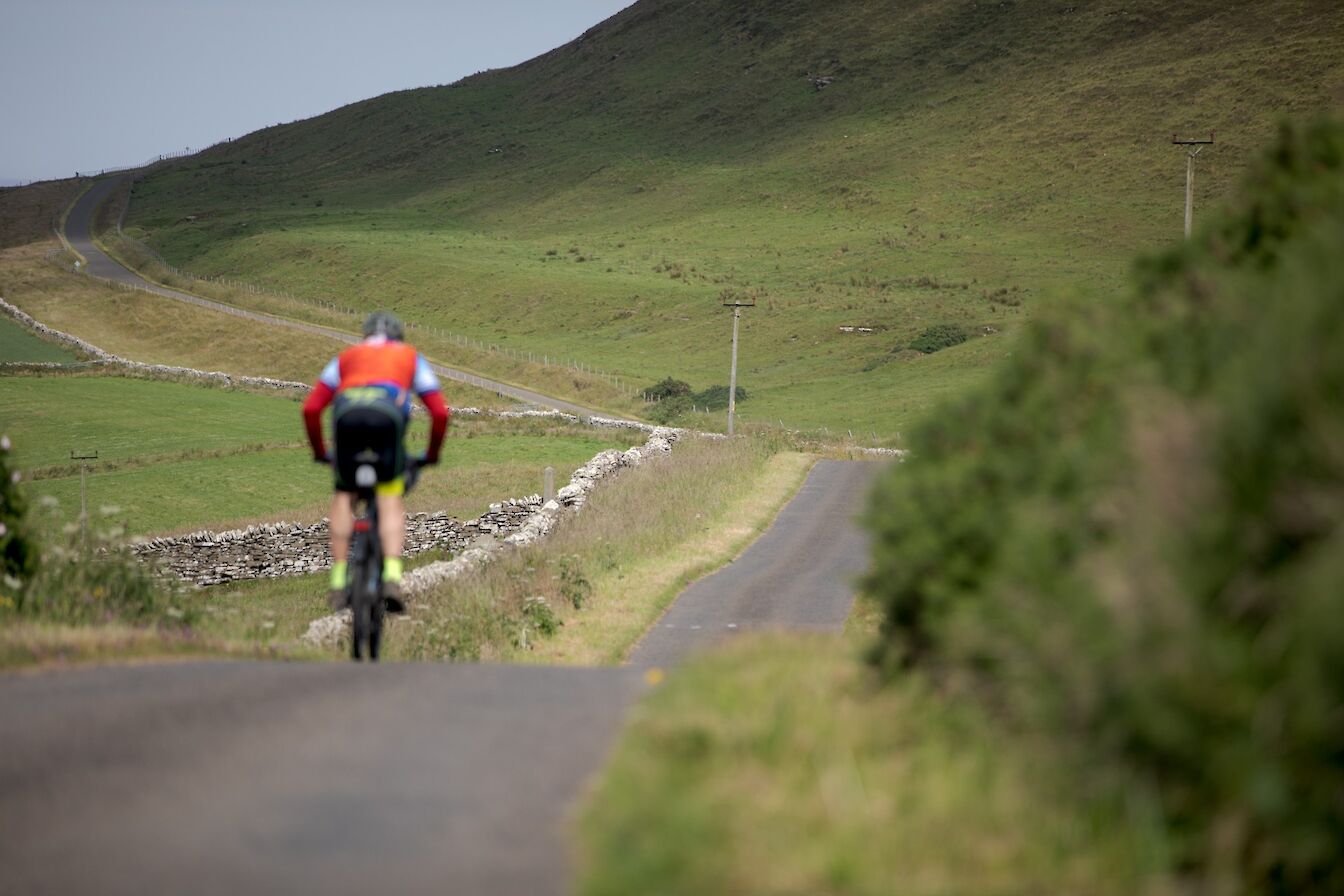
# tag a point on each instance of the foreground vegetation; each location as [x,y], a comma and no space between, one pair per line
[1131,541]
[778,765]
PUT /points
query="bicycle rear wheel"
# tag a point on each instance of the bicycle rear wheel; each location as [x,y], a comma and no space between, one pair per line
[375,636]
[361,606]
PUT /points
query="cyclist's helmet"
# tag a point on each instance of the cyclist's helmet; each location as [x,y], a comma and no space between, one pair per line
[384,323]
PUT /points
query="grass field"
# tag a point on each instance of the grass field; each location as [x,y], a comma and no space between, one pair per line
[159,330]
[175,457]
[965,162]
[17,344]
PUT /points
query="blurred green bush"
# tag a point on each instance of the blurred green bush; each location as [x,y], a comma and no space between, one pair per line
[1132,538]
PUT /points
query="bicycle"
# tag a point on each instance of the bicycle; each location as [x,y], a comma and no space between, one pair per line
[366,558]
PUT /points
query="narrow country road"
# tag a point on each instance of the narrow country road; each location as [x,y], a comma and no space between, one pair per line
[78,230]
[234,777]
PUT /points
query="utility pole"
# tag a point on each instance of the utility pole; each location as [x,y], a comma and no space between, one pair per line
[1193,148]
[732,377]
[83,494]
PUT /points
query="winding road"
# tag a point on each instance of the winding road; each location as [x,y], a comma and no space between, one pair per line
[78,232]
[254,777]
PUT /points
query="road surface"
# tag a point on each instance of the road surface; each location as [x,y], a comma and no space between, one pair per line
[234,777]
[78,228]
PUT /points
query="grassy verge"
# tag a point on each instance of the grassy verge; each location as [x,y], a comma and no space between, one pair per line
[25,645]
[588,591]
[778,766]
[627,597]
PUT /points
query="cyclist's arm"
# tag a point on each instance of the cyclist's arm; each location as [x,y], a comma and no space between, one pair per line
[324,391]
[431,395]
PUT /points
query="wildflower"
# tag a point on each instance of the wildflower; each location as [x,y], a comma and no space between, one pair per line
[15,477]
[3,530]
[4,443]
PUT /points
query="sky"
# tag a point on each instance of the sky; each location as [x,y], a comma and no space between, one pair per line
[93,84]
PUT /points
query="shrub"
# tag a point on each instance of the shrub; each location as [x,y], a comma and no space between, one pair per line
[667,388]
[1132,538]
[669,410]
[938,337]
[90,579]
[18,554]
[574,584]
[715,398]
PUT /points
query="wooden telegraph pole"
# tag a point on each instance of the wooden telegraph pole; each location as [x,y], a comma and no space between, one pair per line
[1193,148]
[732,376]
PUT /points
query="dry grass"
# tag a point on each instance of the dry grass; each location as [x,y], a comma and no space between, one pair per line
[627,599]
[32,646]
[155,329]
[583,387]
[28,214]
[605,574]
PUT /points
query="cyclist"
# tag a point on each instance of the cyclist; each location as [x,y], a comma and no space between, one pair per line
[370,384]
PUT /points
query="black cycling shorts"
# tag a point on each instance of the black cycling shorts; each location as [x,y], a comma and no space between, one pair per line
[369,433]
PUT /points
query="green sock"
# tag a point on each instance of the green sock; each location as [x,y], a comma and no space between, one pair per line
[391,569]
[340,575]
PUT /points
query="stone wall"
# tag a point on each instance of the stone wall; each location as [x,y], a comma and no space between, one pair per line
[284,549]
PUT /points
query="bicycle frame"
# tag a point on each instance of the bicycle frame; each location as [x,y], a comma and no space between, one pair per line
[366,562]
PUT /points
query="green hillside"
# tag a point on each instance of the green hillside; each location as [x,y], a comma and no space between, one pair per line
[859,162]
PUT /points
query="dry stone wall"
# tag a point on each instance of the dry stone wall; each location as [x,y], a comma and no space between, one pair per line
[284,549]
[273,550]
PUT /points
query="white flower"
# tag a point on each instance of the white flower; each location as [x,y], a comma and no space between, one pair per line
[3,530]
[49,502]
[15,477]
[4,443]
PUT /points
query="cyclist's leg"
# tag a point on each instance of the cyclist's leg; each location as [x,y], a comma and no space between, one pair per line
[391,524]
[342,518]
[391,507]
[350,438]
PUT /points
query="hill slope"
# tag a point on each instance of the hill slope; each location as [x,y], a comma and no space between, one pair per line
[855,162]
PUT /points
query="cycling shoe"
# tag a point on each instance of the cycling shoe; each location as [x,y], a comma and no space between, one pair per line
[338,598]
[392,597]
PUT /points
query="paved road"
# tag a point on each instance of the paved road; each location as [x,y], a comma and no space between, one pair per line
[78,232]
[798,575]
[235,778]
[227,777]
